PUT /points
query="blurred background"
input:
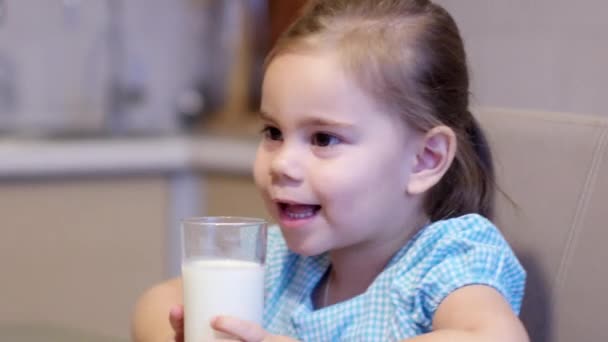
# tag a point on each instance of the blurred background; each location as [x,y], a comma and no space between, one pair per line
[120,117]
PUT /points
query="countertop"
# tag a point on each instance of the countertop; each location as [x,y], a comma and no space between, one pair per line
[26,158]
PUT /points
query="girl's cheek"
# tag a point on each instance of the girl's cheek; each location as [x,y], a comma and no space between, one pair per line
[260,170]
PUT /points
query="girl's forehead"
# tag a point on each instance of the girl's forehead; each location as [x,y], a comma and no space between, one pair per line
[310,77]
[313,87]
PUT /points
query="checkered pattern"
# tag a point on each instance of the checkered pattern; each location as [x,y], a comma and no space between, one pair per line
[400,303]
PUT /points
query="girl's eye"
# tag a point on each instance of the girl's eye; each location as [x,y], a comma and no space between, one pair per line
[324,139]
[272,133]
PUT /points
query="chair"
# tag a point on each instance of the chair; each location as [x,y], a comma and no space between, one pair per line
[554,167]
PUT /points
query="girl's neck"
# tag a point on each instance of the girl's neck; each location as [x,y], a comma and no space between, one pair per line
[353,270]
[350,277]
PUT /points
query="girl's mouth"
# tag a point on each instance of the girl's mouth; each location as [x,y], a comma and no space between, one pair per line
[296,212]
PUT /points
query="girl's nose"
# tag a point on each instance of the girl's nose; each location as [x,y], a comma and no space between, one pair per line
[286,165]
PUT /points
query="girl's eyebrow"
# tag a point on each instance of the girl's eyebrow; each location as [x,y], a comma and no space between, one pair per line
[315,121]
[264,116]
[310,121]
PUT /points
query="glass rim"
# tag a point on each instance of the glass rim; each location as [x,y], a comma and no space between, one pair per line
[223,220]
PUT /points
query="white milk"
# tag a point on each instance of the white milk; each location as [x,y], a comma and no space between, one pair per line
[220,287]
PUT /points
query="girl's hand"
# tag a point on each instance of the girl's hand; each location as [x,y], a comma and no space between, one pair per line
[176,317]
[245,331]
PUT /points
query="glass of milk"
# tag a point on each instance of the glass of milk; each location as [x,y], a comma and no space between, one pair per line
[222,272]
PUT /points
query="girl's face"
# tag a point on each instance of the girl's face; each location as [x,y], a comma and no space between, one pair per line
[332,167]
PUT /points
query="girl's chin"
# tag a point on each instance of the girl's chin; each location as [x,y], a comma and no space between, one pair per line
[302,244]
[304,250]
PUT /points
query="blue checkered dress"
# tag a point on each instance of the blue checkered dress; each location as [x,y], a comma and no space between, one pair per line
[402,300]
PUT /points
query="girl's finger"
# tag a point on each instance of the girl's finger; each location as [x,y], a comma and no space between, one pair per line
[176,318]
[243,330]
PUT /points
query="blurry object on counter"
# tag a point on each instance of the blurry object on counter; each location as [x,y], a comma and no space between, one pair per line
[260,46]
[8,92]
[87,68]
[3,11]
[126,85]
[116,67]
[235,44]
[8,82]
[193,105]
[251,34]
[205,92]
[58,63]
[227,87]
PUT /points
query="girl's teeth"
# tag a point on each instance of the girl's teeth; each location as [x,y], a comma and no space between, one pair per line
[298,212]
[299,216]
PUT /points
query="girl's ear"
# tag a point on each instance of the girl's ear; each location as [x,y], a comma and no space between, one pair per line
[433,159]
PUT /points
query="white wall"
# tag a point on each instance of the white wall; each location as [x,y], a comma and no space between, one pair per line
[536,54]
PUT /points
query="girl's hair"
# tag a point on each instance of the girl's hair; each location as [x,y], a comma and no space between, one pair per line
[409,56]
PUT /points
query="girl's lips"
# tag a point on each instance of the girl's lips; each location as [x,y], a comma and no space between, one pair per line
[294,215]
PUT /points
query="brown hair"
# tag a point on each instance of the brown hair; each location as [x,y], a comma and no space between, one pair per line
[409,55]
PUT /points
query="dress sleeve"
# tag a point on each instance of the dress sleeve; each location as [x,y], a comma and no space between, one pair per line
[446,256]
[473,252]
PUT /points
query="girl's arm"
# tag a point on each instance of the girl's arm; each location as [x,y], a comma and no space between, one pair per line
[151,317]
[475,313]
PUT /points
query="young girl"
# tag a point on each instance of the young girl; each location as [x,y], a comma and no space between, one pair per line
[379,178]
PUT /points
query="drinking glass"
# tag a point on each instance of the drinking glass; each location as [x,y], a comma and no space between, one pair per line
[222,272]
